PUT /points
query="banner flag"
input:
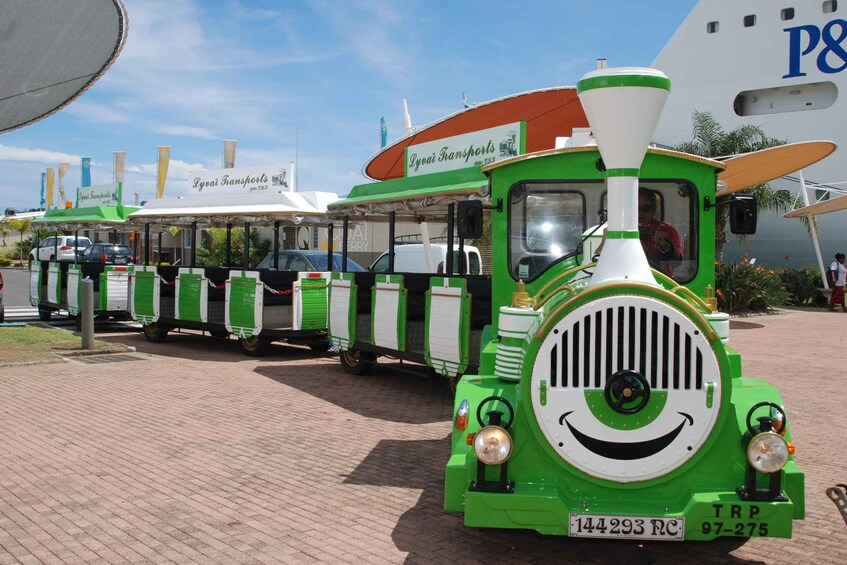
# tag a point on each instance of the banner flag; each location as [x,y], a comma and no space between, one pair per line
[51,177]
[164,160]
[229,153]
[42,200]
[86,172]
[383,132]
[119,167]
[63,200]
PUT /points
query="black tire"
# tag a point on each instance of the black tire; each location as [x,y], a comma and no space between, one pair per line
[2,315]
[44,313]
[356,362]
[319,346]
[256,346]
[52,258]
[220,334]
[155,333]
[78,322]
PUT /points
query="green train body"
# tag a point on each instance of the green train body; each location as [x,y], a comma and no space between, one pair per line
[549,489]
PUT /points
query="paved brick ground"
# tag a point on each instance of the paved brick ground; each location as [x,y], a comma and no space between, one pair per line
[193,453]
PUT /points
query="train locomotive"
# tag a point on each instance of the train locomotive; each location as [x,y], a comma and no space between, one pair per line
[608,402]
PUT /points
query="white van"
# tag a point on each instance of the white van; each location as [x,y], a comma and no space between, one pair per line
[410,258]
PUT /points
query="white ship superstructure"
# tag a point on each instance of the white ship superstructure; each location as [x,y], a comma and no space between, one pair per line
[778,65]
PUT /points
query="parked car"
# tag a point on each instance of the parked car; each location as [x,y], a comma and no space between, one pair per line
[108,253]
[410,258]
[59,248]
[304,260]
[2,308]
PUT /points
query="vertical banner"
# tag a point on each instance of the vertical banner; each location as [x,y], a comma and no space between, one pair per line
[228,161]
[42,200]
[164,160]
[118,171]
[63,200]
[383,132]
[86,172]
[51,177]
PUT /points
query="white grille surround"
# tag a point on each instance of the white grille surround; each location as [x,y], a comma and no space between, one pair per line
[598,339]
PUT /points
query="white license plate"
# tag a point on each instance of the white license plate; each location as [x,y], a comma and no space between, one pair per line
[120,260]
[626,527]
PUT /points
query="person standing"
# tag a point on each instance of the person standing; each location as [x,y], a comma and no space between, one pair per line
[837,278]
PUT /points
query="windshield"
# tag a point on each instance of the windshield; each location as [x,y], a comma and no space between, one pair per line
[546,223]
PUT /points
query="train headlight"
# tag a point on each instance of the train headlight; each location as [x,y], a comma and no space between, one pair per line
[768,452]
[492,445]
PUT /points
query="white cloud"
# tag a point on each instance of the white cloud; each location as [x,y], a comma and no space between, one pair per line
[36,155]
[187,131]
[101,113]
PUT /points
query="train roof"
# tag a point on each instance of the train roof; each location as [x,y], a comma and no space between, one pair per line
[91,218]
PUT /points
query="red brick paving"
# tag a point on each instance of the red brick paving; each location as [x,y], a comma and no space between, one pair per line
[197,454]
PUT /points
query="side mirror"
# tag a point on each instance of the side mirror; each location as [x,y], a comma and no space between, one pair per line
[742,215]
[470,218]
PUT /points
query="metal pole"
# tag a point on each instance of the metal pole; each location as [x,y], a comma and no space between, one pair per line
[246,258]
[329,247]
[344,244]
[276,245]
[87,313]
[448,268]
[391,242]
[193,244]
[229,245]
[146,244]
[55,246]
[160,249]
[813,230]
[76,238]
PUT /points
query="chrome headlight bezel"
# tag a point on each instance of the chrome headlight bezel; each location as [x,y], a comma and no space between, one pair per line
[768,452]
[503,445]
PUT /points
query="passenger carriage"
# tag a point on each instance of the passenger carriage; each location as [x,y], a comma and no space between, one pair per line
[257,306]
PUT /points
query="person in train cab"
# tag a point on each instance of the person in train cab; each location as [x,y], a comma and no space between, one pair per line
[660,240]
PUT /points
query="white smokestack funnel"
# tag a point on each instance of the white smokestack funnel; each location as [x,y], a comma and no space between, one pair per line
[623,106]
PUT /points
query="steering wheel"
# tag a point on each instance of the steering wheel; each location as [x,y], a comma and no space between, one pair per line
[771,405]
[508,404]
[627,392]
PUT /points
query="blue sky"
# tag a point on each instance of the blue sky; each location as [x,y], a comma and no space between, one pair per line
[193,73]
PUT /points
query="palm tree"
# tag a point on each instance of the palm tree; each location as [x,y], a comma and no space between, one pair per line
[710,140]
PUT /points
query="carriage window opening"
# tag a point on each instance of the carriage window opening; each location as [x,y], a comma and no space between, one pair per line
[546,223]
[787,14]
[712,27]
[750,21]
[830,6]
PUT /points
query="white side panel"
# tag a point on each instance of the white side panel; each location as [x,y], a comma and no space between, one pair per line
[444,328]
[117,290]
[53,274]
[34,289]
[339,313]
[74,278]
[386,306]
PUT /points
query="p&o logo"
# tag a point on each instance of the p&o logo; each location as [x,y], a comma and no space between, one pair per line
[826,42]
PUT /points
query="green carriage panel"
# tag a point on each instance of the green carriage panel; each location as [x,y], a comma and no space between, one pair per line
[192,291]
[310,297]
[244,303]
[145,293]
[35,283]
[74,289]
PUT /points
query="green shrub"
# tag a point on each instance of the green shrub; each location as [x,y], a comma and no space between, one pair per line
[803,286]
[5,261]
[212,249]
[742,287]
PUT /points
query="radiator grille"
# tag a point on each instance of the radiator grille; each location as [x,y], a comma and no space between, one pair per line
[665,349]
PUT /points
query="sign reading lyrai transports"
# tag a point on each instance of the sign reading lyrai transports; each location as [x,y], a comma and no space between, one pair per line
[477,148]
[243,180]
[99,195]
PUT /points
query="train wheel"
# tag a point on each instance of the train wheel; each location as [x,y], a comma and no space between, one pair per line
[319,346]
[44,313]
[221,334]
[155,333]
[255,346]
[357,362]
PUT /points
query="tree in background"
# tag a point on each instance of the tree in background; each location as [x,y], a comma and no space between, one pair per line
[710,140]
[21,226]
[212,250]
[4,230]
